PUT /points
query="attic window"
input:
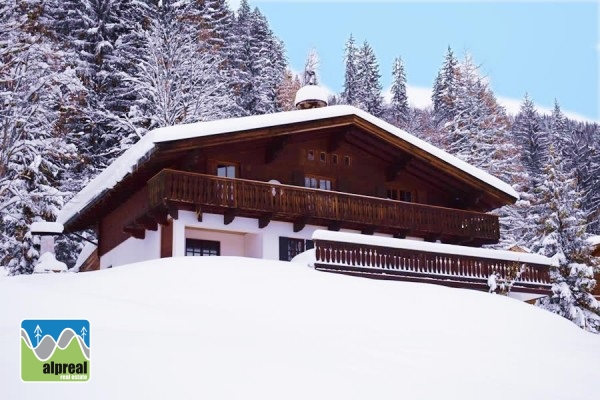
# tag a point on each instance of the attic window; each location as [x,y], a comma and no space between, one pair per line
[323,157]
[226,170]
[347,161]
[334,159]
[310,155]
[400,195]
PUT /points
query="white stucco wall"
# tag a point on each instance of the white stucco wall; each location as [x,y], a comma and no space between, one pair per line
[232,244]
[133,250]
[242,237]
[257,242]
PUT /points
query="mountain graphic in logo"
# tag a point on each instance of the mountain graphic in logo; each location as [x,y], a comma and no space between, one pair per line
[55,350]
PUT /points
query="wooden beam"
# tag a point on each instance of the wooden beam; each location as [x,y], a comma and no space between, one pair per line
[401,234]
[335,226]
[135,231]
[264,220]
[147,222]
[274,148]
[368,231]
[160,215]
[300,223]
[229,216]
[432,237]
[172,210]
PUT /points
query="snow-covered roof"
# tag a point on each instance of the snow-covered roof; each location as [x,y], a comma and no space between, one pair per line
[431,247]
[130,159]
[85,253]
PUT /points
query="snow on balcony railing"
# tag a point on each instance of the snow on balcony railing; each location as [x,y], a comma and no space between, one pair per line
[348,252]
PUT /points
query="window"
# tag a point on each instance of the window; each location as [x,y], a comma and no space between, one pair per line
[226,170]
[334,159]
[323,157]
[347,161]
[317,182]
[196,247]
[289,247]
[310,155]
[401,195]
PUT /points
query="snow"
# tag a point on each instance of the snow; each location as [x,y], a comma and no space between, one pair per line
[594,240]
[45,227]
[310,93]
[85,253]
[3,272]
[239,328]
[431,247]
[48,263]
[136,154]
[306,258]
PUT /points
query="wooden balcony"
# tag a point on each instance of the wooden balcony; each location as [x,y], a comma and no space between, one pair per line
[173,190]
[405,264]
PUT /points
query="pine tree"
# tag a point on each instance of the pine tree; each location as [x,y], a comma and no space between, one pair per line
[399,110]
[368,96]
[444,89]
[350,93]
[261,61]
[531,139]
[562,237]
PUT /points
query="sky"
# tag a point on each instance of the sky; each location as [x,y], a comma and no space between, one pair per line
[547,49]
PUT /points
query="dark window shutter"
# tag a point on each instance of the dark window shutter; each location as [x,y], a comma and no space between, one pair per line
[283,248]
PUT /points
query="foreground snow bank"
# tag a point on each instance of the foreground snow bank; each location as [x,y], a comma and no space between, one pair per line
[235,328]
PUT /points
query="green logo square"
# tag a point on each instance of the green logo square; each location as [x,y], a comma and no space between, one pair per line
[55,350]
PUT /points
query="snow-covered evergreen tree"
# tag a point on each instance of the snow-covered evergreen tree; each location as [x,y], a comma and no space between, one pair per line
[562,237]
[350,93]
[368,96]
[37,90]
[444,89]
[179,80]
[399,110]
[261,62]
[531,138]
[478,131]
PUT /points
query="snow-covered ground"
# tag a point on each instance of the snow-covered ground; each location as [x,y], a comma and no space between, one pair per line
[236,328]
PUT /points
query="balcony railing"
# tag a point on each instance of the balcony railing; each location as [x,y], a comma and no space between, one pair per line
[407,264]
[287,202]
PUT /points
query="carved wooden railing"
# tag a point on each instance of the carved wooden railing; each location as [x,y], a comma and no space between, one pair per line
[425,266]
[293,201]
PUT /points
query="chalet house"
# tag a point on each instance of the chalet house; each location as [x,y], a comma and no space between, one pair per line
[261,186]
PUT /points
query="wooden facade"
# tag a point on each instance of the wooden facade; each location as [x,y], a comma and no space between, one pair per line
[340,173]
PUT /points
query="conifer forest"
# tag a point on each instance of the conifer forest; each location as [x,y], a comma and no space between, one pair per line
[82,80]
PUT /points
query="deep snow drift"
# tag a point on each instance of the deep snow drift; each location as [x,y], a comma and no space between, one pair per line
[236,328]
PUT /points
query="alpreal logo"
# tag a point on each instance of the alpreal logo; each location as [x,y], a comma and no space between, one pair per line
[55,350]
